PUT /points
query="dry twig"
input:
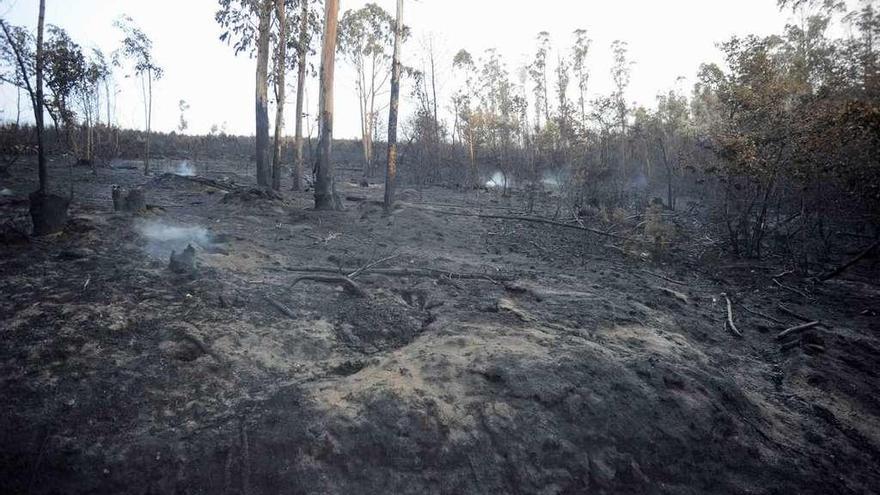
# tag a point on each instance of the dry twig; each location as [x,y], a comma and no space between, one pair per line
[762,315]
[371,265]
[796,329]
[792,289]
[790,312]
[663,277]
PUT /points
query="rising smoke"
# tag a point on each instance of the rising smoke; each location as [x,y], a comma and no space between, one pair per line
[185,169]
[163,238]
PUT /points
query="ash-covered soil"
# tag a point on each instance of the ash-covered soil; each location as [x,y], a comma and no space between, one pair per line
[566,362]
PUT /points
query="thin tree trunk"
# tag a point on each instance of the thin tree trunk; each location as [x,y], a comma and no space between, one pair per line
[472,154]
[300,93]
[325,188]
[38,104]
[264,177]
[149,118]
[436,143]
[17,106]
[107,92]
[391,169]
[280,71]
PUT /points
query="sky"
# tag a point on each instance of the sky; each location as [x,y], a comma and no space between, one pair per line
[668,40]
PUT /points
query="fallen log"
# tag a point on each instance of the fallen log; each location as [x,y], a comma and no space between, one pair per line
[842,268]
[796,329]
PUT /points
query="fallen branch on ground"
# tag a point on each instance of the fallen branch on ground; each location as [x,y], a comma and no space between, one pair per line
[280,307]
[792,289]
[408,272]
[523,219]
[730,317]
[206,182]
[433,272]
[663,277]
[842,268]
[371,265]
[674,293]
[796,329]
[346,283]
[791,313]
[762,315]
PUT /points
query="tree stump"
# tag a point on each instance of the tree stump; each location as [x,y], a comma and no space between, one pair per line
[136,201]
[48,212]
[117,194]
[185,262]
[127,200]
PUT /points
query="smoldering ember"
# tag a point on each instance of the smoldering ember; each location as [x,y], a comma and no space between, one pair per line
[404,262]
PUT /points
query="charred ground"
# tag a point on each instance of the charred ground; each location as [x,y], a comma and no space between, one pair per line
[564,361]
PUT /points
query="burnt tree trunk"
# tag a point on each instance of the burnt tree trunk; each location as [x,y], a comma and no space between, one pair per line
[280,70]
[149,119]
[325,188]
[264,177]
[48,212]
[391,169]
[38,103]
[302,51]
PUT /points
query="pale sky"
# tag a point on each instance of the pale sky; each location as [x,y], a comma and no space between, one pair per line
[668,39]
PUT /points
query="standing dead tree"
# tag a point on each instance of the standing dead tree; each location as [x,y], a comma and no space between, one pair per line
[138,48]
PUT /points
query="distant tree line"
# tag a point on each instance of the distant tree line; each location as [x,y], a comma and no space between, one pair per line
[779,146]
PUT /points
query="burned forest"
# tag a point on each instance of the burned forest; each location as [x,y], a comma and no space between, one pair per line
[340,247]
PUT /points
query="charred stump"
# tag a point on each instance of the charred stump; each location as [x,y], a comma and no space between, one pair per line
[48,212]
[183,263]
[127,200]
